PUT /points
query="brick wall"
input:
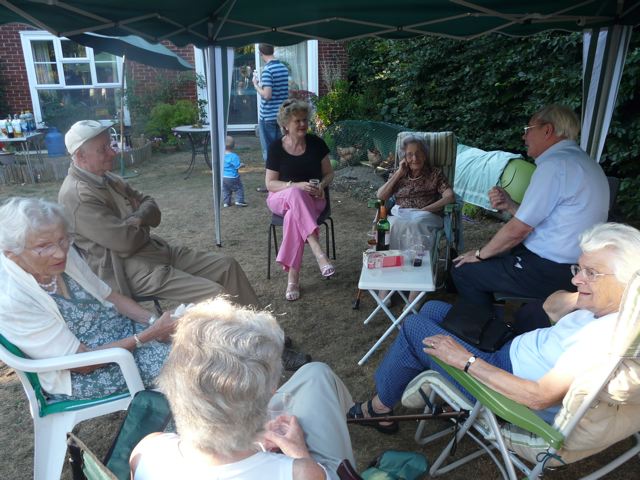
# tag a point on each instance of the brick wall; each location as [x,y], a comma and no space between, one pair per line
[146,76]
[332,64]
[13,73]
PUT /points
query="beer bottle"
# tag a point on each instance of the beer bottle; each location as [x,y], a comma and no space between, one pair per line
[383,228]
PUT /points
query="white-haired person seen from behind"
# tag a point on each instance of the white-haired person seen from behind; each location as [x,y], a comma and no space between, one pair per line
[223,369]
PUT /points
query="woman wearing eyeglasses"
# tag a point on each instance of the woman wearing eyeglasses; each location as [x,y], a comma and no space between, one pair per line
[51,305]
[537,367]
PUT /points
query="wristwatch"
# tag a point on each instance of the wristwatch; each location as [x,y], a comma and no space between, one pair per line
[470,362]
[478,255]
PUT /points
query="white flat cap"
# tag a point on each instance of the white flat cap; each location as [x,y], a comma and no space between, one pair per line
[82,131]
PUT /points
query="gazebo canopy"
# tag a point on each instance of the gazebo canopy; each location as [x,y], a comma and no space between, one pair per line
[216,24]
[239,22]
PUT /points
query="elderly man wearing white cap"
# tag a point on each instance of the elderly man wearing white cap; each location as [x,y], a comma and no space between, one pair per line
[112,225]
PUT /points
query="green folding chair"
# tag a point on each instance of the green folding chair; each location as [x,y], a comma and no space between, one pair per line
[601,408]
[148,413]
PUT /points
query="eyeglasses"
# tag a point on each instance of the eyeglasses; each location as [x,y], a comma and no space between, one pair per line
[589,273]
[51,248]
[529,127]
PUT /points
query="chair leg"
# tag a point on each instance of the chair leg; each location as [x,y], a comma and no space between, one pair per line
[269,252]
[333,238]
[157,306]
[326,239]
[272,232]
[50,445]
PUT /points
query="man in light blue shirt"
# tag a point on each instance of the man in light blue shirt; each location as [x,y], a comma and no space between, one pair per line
[530,256]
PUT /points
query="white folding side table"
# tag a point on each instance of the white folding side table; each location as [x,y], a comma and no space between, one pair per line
[395,279]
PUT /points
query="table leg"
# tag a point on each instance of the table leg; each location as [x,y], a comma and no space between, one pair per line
[193,156]
[395,322]
[25,150]
[381,305]
[206,152]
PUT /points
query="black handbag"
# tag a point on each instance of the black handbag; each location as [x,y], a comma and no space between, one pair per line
[478,326]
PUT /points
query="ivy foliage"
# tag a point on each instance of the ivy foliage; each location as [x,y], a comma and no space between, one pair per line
[485,91]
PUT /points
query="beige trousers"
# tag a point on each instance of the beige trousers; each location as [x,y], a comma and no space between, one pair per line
[320,401]
[189,276]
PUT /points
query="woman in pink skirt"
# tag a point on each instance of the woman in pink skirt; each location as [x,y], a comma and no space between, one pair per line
[292,162]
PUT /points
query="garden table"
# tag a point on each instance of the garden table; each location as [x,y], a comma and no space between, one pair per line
[395,279]
[25,144]
[199,141]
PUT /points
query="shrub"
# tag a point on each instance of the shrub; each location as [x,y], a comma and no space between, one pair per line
[165,116]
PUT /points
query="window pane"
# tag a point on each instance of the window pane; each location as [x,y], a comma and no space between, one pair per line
[106,72]
[77,73]
[43,51]
[242,105]
[72,50]
[103,57]
[62,108]
[295,58]
[46,74]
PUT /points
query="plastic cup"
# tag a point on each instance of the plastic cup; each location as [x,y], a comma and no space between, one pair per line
[278,411]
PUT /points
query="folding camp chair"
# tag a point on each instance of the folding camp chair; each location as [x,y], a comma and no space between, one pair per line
[148,413]
[601,408]
[52,420]
[442,154]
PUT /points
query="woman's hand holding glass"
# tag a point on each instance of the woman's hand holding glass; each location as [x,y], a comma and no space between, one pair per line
[292,442]
[312,187]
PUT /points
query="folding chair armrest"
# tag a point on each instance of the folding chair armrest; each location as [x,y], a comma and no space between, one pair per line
[505,408]
[451,207]
[120,356]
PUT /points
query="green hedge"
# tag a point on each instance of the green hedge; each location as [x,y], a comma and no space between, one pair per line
[486,89]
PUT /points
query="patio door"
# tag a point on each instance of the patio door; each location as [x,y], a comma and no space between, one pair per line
[300,59]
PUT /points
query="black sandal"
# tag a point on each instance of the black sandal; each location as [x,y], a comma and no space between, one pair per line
[356,412]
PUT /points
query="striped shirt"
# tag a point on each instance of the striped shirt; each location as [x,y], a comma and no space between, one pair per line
[276,76]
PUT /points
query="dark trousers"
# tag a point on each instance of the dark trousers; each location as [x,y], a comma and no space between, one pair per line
[520,273]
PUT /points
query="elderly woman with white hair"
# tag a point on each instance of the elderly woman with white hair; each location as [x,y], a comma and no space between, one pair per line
[421,192]
[537,367]
[52,304]
[222,371]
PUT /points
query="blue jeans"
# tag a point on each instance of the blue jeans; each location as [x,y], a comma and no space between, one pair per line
[230,185]
[269,133]
[406,358]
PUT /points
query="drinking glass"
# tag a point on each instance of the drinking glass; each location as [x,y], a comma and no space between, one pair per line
[278,411]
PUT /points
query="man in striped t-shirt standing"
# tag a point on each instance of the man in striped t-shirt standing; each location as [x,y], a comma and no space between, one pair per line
[273,89]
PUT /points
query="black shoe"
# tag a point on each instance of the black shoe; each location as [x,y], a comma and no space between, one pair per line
[293,360]
[356,411]
[262,190]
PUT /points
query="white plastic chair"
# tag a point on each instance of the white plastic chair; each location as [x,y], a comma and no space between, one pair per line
[52,420]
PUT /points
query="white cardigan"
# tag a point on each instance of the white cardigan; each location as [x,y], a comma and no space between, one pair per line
[30,319]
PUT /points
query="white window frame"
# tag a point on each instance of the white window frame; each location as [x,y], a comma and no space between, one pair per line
[26,37]
[312,79]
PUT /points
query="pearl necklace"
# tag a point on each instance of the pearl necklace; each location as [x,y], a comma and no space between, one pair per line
[51,287]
